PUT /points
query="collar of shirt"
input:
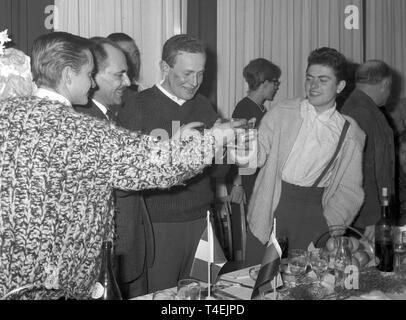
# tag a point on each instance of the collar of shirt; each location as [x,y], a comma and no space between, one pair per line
[52,95]
[170,95]
[102,107]
[307,108]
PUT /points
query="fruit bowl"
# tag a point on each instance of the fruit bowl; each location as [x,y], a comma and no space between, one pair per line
[362,250]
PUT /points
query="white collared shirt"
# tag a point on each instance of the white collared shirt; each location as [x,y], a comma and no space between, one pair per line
[52,95]
[102,107]
[314,147]
[170,95]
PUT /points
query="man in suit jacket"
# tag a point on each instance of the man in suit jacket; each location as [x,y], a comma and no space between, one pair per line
[373,87]
[132,221]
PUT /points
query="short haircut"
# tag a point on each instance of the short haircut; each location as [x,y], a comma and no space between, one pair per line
[372,72]
[99,51]
[52,52]
[119,36]
[402,137]
[181,42]
[329,57]
[259,70]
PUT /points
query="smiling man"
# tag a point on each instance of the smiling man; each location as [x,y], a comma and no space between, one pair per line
[177,215]
[111,79]
[310,158]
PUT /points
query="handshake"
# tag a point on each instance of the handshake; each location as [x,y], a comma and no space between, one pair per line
[237,136]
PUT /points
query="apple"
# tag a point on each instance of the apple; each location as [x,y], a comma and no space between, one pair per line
[362,257]
[354,244]
[331,244]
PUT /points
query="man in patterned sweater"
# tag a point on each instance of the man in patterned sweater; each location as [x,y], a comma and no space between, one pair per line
[58,169]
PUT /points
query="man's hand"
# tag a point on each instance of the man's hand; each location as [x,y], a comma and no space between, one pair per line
[187,130]
[237,194]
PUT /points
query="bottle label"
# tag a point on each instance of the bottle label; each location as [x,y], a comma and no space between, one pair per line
[97,290]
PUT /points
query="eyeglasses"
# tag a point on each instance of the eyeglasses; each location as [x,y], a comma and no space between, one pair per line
[276,82]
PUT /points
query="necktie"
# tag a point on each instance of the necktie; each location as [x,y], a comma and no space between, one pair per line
[111,116]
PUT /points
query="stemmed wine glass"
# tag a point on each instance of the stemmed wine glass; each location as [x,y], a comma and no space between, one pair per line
[319,263]
[297,261]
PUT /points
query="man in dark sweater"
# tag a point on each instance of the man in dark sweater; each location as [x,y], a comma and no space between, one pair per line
[373,86]
[177,215]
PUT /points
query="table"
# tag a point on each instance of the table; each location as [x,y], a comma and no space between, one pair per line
[238,285]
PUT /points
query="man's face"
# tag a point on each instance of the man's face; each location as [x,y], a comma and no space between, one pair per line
[133,53]
[386,86]
[321,86]
[402,156]
[271,88]
[112,79]
[82,81]
[185,77]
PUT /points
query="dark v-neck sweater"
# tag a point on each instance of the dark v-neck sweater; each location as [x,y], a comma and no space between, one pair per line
[152,112]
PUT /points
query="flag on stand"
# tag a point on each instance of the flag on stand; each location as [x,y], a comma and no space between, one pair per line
[205,256]
[269,277]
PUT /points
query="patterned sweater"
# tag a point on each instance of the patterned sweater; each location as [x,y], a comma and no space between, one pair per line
[57,172]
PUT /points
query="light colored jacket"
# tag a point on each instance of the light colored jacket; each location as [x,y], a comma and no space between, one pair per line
[278,131]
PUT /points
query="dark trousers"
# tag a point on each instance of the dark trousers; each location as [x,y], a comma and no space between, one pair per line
[299,215]
[175,248]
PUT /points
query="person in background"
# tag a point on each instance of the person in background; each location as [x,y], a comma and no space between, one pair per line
[311,160]
[177,215]
[130,246]
[373,87]
[128,45]
[111,80]
[402,172]
[58,169]
[262,77]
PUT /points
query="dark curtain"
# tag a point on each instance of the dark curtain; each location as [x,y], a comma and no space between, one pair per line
[25,20]
[202,23]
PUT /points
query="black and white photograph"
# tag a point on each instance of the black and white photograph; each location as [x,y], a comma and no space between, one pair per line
[222,151]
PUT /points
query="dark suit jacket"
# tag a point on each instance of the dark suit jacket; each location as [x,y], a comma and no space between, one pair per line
[379,154]
[134,247]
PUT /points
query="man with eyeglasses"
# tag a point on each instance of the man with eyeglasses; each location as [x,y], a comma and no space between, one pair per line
[262,78]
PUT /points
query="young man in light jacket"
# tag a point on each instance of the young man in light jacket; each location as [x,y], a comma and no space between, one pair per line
[310,158]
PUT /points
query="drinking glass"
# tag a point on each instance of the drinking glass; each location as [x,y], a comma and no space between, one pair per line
[399,248]
[319,263]
[189,289]
[297,261]
[163,295]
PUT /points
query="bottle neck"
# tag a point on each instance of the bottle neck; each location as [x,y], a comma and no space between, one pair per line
[106,254]
[385,209]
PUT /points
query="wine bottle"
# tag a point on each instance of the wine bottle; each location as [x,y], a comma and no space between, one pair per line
[383,236]
[106,287]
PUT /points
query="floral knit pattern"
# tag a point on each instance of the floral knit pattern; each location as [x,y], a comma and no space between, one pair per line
[57,172]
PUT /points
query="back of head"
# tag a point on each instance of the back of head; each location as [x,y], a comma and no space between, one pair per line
[259,70]
[331,58]
[99,52]
[181,43]
[15,71]
[372,72]
[119,37]
[52,52]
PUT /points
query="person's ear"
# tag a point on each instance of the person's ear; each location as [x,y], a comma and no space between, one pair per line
[341,86]
[164,68]
[67,74]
